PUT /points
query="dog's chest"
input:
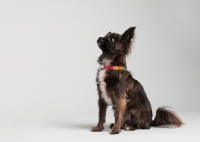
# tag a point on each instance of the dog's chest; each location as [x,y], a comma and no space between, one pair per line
[102,87]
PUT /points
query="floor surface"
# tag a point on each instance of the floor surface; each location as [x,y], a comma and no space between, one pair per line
[77,129]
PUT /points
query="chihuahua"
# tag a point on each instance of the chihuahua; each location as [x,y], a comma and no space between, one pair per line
[117,87]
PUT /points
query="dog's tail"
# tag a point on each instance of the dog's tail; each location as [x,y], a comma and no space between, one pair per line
[166,118]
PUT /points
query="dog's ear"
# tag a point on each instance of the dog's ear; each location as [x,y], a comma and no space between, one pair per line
[128,35]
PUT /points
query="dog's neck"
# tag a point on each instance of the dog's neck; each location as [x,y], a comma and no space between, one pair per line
[112,60]
[106,62]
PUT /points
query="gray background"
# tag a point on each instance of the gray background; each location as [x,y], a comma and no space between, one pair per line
[48,54]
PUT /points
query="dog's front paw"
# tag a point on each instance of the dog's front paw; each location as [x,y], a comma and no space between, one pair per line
[115,131]
[97,129]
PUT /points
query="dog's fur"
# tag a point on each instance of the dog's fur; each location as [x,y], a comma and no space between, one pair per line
[132,109]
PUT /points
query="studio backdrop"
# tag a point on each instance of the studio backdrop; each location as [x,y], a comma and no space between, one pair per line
[48,54]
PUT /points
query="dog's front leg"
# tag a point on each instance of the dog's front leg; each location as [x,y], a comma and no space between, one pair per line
[102,115]
[120,107]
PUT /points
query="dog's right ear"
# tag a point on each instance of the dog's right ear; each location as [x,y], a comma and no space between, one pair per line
[128,35]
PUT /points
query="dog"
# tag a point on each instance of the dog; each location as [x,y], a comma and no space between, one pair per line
[117,87]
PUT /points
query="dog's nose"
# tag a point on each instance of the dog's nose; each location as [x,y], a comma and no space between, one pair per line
[100,38]
[100,41]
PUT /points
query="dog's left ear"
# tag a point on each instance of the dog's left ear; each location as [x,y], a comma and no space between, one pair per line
[128,35]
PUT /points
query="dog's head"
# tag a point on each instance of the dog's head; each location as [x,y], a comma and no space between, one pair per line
[115,43]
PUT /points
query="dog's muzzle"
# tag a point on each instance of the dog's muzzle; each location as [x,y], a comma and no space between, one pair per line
[100,41]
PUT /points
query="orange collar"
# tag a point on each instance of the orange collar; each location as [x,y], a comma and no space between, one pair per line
[114,68]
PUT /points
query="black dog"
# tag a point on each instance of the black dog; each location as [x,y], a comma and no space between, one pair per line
[118,88]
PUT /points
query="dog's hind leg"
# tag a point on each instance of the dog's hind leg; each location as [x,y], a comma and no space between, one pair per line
[129,128]
[140,119]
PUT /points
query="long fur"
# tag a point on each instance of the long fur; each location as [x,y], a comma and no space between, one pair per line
[132,109]
[166,118]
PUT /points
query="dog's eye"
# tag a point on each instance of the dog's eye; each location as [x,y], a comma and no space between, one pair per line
[111,39]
